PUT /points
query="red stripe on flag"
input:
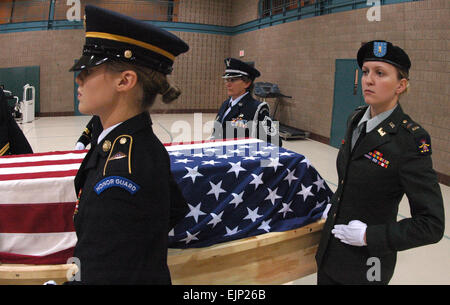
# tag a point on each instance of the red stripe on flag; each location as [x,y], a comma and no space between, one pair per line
[60,257]
[42,163]
[59,174]
[37,218]
[48,153]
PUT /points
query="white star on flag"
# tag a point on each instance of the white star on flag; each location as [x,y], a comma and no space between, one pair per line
[216,189]
[215,219]
[286,209]
[237,199]
[190,237]
[265,225]
[175,153]
[192,173]
[257,180]
[319,183]
[235,151]
[222,156]
[195,211]
[305,192]
[212,150]
[319,204]
[274,162]
[231,232]
[286,153]
[306,160]
[210,162]
[252,214]
[236,168]
[198,155]
[270,147]
[290,176]
[185,161]
[251,158]
[272,195]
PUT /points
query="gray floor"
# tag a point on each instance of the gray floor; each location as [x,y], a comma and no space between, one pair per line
[424,265]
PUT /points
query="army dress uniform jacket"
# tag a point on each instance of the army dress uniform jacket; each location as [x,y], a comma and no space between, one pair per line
[392,160]
[128,202]
[248,118]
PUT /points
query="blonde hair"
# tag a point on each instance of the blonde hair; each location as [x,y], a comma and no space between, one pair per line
[152,83]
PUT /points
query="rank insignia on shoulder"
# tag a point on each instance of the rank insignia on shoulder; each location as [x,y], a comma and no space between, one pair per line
[116,181]
[424,146]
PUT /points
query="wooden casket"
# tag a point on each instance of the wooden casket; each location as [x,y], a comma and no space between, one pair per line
[271,258]
[270,199]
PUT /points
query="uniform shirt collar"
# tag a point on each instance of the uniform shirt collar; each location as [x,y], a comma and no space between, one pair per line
[106,131]
[234,102]
[373,122]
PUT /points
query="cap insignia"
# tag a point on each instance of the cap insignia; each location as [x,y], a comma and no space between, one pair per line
[379,48]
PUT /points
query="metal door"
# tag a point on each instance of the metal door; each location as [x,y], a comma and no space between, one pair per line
[347,97]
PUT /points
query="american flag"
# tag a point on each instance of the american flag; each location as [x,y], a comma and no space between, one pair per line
[234,189]
[241,188]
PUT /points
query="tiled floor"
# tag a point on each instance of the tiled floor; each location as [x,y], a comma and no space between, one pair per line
[424,265]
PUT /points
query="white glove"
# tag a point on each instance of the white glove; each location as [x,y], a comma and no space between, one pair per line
[352,234]
[325,212]
[80,146]
[51,282]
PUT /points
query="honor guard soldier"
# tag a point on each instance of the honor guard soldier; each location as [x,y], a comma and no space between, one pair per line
[128,199]
[12,139]
[384,155]
[241,115]
[90,133]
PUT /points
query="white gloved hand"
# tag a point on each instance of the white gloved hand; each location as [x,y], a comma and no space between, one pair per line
[79,146]
[352,234]
[51,282]
[325,212]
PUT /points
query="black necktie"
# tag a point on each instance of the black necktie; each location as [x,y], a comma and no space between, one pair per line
[361,135]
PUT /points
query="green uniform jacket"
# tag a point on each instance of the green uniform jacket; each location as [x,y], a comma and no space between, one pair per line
[392,160]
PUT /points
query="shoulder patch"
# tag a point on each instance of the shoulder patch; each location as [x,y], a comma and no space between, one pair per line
[424,144]
[421,136]
[116,181]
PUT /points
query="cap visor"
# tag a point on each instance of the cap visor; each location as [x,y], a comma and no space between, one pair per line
[231,75]
[88,61]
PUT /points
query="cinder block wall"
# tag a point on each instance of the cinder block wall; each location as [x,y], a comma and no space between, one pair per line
[299,56]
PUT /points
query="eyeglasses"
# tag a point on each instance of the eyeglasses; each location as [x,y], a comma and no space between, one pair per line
[232,80]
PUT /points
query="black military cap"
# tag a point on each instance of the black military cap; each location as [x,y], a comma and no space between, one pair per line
[113,36]
[381,50]
[236,68]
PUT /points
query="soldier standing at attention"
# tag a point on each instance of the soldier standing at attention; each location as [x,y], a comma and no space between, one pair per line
[241,115]
[128,199]
[383,156]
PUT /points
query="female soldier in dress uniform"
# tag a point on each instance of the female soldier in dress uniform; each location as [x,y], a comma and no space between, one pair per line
[241,115]
[127,198]
[384,155]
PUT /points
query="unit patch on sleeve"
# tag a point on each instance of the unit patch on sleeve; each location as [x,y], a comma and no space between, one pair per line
[116,181]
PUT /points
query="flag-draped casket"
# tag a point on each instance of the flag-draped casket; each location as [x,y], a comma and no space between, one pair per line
[234,189]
